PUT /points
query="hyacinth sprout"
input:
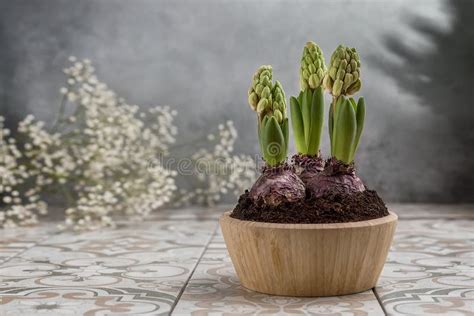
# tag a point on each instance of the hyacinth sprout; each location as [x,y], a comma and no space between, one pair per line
[346,122]
[346,116]
[307,110]
[269,101]
[278,182]
[343,79]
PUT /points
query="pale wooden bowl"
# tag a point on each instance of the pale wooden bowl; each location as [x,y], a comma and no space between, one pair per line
[308,259]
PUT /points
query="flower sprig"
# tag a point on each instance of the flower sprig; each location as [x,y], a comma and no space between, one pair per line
[20,185]
[111,143]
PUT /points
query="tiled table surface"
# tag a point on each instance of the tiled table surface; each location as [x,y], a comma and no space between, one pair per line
[177,263]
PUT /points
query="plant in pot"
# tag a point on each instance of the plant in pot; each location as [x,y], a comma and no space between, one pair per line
[307,113]
[328,234]
[345,122]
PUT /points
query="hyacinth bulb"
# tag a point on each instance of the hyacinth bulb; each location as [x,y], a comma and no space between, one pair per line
[277,185]
[337,178]
[307,167]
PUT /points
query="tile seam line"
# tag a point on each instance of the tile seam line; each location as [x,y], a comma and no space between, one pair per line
[48,236]
[178,298]
[374,290]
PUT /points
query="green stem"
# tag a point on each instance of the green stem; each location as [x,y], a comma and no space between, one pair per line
[316,121]
[59,117]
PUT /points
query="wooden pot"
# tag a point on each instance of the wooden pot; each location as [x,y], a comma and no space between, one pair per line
[308,259]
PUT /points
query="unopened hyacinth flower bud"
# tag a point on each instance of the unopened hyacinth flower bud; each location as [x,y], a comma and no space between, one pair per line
[266,97]
[260,93]
[343,76]
[313,67]
[279,102]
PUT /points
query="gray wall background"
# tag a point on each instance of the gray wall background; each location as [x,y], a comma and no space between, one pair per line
[199,56]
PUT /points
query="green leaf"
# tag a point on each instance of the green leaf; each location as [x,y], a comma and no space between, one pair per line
[274,142]
[345,131]
[286,135]
[317,117]
[354,104]
[260,132]
[306,112]
[263,138]
[360,118]
[300,99]
[331,126]
[336,105]
[297,125]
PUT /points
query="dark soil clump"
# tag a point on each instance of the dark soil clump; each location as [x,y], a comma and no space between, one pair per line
[332,208]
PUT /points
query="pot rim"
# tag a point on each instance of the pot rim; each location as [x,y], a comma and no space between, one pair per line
[368,223]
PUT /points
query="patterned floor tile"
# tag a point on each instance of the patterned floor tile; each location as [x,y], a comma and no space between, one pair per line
[141,267]
[14,241]
[132,270]
[430,269]
[191,213]
[214,289]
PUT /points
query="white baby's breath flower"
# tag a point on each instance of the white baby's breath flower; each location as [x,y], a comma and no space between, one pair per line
[112,151]
[98,155]
[219,170]
[17,208]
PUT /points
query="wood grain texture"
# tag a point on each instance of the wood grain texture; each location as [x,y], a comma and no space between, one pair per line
[308,259]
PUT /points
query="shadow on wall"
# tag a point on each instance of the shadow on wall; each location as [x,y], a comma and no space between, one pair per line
[437,77]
